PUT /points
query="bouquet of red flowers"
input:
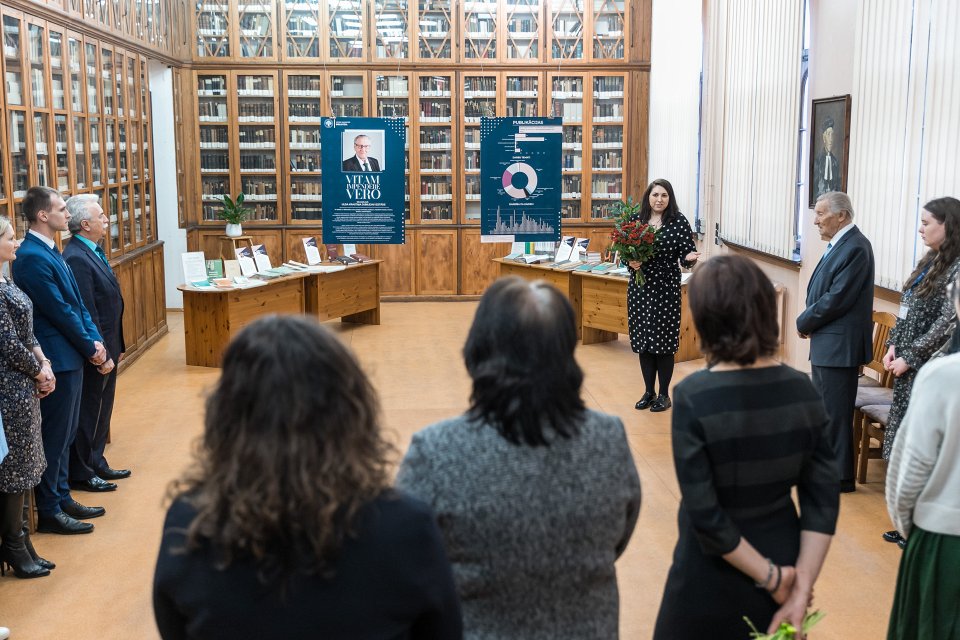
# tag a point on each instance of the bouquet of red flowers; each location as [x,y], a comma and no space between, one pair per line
[632,239]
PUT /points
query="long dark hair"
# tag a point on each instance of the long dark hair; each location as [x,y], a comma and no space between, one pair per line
[671,213]
[947,212]
[291,450]
[519,353]
[734,307]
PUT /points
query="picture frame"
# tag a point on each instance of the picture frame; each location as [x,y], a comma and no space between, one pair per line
[829,146]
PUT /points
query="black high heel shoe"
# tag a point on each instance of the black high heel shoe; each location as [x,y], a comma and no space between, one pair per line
[22,564]
[43,562]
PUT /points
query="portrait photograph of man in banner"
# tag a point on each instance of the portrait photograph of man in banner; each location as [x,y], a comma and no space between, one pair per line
[520,179]
[363,180]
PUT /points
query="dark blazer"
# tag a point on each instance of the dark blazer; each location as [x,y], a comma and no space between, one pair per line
[839,313]
[61,323]
[353,164]
[835,183]
[101,294]
[391,579]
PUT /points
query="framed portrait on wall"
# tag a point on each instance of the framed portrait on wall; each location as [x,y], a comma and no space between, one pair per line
[829,146]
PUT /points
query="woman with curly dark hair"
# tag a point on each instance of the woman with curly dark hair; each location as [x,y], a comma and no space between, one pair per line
[286,526]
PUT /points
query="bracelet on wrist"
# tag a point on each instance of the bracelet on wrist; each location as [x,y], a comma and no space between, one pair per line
[766,583]
[777,583]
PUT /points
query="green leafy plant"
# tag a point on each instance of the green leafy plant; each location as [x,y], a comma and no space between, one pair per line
[786,631]
[233,211]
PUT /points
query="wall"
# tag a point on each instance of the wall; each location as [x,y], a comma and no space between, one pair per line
[165,180]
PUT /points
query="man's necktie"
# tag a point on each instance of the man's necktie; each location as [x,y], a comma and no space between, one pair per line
[827,170]
[366,167]
[103,257]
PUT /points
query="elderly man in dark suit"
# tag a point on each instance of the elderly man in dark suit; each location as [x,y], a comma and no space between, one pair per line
[826,166]
[838,321]
[69,338]
[100,290]
[360,161]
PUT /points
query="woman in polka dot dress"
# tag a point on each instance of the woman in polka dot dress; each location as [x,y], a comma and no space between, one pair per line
[653,309]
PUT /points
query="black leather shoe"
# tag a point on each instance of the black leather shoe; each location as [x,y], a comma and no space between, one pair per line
[62,524]
[113,474]
[644,402]
[902,543]
[96,484]
[76,510]
[662,403]
[893,536]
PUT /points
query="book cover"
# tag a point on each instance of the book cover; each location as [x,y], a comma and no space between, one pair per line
[247,265]
[260,258]
[214,268]
[312,251]
[194,267]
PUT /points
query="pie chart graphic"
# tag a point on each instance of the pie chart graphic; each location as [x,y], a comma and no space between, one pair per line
[519,173]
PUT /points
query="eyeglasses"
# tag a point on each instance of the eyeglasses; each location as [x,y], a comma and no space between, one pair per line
[362,146]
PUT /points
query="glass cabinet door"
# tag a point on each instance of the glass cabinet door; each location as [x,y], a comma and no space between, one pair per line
[213,28]
[303,113]
[19,163]
[106,72]
[40,144]
[214,139]
[133,100]
[96,152]
[257,28]
[566,101]
[62,158]
[435,29]
[80,152]
[566,29]
[138,217]
[145,150]
[126,220]
[58,93]
[608,29]
[90,66]
[479,101]
[110,150]
[345,19]
[75,51]
[347,95]
[393,98]
[392,29]
[257,143]
[301,22]
[121,90]
[435,137]
[12,55]
[135,153]
[522,19]
[522,95]
[122,151]
[37,54]
[606,144]
[480,22]
[112,208]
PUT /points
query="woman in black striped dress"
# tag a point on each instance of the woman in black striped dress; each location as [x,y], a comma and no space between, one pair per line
[746,430]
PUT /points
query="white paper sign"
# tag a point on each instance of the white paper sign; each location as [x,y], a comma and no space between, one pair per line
[349,249]
[313,252]
[245,257]
[194,266]
[260,258]
[564,249]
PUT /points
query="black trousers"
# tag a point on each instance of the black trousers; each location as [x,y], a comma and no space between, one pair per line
[96,408]
[838,388]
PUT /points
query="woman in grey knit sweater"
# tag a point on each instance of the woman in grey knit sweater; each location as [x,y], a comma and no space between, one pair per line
[536,495]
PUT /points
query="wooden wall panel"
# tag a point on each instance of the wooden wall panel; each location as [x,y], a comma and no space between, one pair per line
[437,262]
[398,271]
[477,268]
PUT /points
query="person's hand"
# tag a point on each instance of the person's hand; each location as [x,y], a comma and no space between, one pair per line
[803,336]
[635,264]
[106,367]
[120,357]
[889,357]
[693,256]
[794,609]
[45,381]
[899,367]
[788,577]
[99,356]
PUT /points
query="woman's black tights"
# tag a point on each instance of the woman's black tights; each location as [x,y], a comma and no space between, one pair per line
[654,365]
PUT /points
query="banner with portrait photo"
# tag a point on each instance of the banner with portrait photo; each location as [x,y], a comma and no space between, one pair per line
[520,176]
[363,180]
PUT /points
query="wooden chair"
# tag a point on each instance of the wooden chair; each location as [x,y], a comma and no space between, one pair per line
[870,391]
[873,425]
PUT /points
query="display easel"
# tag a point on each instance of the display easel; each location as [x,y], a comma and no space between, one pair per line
[230,244]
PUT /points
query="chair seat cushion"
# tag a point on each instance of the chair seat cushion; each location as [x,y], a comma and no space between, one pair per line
[867,381]
[877,413]
[873,396]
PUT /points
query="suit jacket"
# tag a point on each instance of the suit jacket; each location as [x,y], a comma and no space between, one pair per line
[61,323]
[835,183]
[100,291]
[353,164]
[839,314]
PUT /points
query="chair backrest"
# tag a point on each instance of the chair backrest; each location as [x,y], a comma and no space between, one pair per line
[883,322]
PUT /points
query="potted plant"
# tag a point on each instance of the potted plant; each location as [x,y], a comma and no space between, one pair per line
[234,213]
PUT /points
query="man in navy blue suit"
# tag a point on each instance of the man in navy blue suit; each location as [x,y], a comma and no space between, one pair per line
[100,291]
[69,338]
[838,321]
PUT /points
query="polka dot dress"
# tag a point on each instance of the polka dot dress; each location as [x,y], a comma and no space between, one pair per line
[653,310]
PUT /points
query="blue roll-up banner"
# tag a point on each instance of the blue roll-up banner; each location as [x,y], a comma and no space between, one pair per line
[363,180]
[520,179]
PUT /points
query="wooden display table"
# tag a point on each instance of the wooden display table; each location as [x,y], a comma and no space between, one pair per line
[213,316]
[600,304]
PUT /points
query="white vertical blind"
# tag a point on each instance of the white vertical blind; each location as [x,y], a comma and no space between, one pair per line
[675,99]
[905,130]
[756,99]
